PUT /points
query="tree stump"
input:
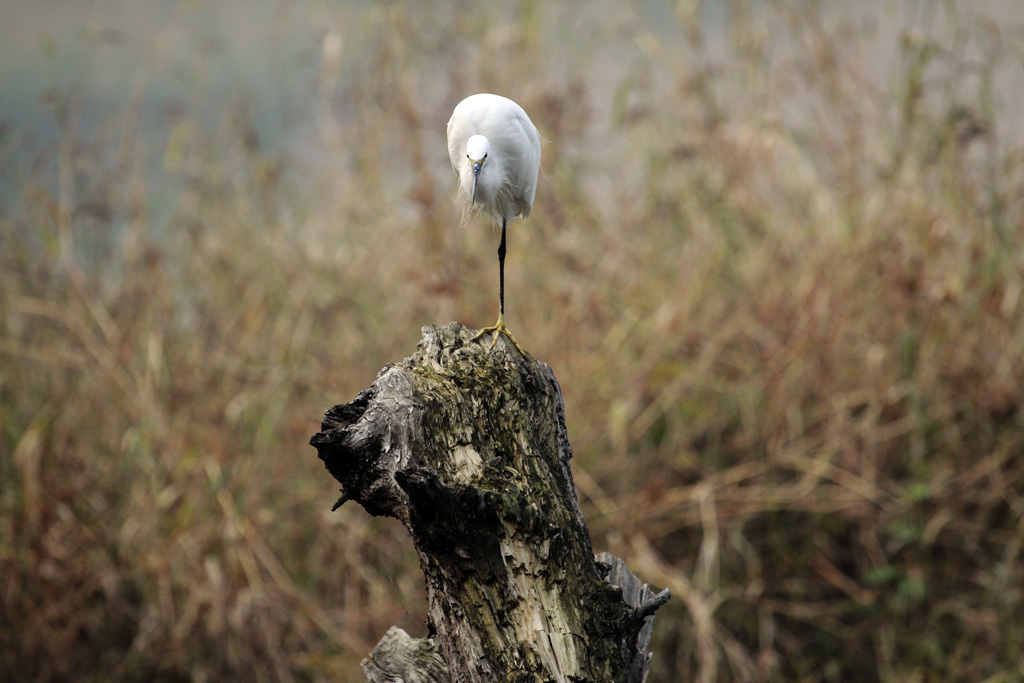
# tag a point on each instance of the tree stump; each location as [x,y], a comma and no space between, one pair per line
[468,448]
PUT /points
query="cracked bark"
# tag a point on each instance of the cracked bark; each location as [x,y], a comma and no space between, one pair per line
[469,450]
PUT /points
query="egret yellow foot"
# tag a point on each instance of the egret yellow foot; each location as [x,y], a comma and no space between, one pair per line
[499,328]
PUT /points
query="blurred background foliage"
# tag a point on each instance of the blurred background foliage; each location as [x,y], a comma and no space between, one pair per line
[776,263]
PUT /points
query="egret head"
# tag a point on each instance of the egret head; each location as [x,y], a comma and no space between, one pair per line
[477,149]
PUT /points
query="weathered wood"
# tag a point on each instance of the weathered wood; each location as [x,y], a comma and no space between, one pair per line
[400,657]
[644,602]
[468,448]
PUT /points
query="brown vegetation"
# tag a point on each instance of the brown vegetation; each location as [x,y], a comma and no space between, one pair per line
[783,299]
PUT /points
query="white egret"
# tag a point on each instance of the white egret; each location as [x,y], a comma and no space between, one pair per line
[495,151]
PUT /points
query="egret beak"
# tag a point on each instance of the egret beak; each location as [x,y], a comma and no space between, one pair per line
[477,165]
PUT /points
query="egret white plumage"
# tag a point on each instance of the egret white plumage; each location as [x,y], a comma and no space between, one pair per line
[495,151]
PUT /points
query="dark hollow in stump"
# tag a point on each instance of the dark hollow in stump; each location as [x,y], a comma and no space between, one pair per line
[468,448]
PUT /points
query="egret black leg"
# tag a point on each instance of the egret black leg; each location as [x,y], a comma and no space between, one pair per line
[499,327]
[501,272]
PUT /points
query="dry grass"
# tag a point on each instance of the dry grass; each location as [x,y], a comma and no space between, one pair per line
[783,298]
